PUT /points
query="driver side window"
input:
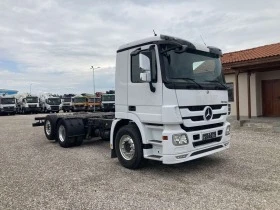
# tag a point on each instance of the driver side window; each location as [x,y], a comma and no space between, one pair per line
[135,66]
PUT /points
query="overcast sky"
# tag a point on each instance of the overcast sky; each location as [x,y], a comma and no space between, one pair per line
[53,43]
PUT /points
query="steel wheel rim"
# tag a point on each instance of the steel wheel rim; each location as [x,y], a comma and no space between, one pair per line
[61,133]
[48,127]
[127,147]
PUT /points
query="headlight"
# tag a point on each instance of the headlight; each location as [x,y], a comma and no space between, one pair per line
[228,130]
[180,139]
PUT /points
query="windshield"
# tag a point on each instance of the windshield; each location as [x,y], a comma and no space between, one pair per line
[108,97]
[8,101]
[67,99]
[200,67]
[97,100]
[32,99]
[54,101]
[79,100]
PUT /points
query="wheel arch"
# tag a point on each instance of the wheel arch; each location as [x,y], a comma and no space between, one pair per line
[119,123]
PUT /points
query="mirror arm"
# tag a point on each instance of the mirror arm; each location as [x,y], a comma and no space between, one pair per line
[152,88]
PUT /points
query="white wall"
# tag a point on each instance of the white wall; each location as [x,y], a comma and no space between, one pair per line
[243,94]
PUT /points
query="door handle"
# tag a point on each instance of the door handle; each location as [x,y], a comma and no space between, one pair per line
[132,108]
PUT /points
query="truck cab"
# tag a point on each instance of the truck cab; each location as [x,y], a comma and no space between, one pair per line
[108,102]
[94,104]
[50,103]
[66,102]
[172,94]
[28,103]
[80,103]
[7,105]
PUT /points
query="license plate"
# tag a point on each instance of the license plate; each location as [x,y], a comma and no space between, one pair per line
[207,136]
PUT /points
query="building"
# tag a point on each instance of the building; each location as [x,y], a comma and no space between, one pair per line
[253,77]
[8,92]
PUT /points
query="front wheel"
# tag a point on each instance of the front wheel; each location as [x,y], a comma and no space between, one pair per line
[129,148]
[49,127]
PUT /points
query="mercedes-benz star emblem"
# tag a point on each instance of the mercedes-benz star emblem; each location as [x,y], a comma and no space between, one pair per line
[208,113]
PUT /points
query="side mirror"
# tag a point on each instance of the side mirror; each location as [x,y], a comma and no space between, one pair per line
[145,65]
[144,62]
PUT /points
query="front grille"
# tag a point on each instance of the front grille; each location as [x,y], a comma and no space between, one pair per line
[200,108]
[201,118]
[217,116]
[32,106]
[54,107]
[79,106]
[201,127]
[206,150]
[203,142]
[8,108]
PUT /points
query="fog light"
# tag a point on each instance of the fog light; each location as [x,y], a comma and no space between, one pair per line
[180,139]
[181,156]
[228,130]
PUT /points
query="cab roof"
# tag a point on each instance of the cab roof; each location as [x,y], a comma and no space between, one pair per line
[171,39]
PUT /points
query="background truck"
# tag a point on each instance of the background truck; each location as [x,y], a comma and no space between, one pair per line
[108,102]
[66,102]
[7,104]
[80,103]
[171,105]
[94,104]
[27,103]
[50,102]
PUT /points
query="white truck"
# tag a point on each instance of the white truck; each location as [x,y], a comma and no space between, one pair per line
[171,105]
[7,104]
[108,102]
[66,102]
[27,103]
[50,102]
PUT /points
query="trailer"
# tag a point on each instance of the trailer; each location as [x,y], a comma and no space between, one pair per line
[171,105]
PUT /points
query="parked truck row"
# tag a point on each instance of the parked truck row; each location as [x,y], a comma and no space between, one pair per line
[52,103]
[171,105]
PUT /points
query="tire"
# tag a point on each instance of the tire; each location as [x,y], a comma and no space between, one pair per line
[126,136]
[79,141]
[50,127]
[64,110]
[62,135]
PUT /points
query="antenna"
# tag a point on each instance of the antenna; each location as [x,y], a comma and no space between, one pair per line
[203,40]
[154,33]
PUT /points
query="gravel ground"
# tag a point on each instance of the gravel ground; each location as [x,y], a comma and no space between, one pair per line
[38,174]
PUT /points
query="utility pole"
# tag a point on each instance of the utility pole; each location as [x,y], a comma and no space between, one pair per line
[93,68]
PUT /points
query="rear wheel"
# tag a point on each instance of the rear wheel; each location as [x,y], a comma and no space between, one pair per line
[62,135]
[129,147]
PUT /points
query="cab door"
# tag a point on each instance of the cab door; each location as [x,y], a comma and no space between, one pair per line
[145,98]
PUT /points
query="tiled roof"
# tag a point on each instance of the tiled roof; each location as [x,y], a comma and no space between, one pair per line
[252,54]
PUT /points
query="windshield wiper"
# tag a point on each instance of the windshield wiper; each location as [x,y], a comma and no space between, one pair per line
[188,79]
[217,81]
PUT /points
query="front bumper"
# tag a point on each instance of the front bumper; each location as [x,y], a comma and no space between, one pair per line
[91,108]
[8,110]
[32,109]
[79,108]
[66,108]
[171,154]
